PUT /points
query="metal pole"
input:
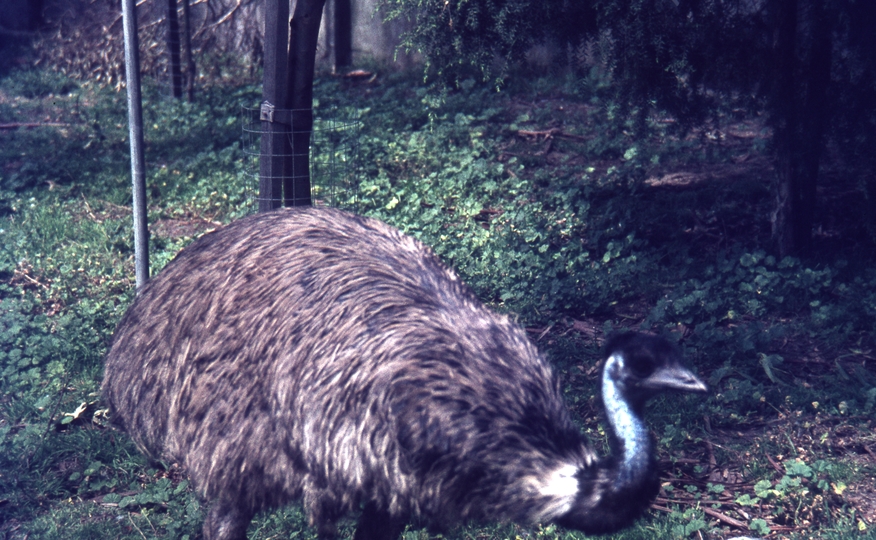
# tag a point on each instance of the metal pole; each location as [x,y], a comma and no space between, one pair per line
[135,134]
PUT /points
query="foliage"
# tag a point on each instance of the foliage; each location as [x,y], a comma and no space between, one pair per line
[854,126]
[665,53]
[792,490]
[464,35]
[31,84]
[809,65]
[513,241]
[65,279]
[226,41]
[546,206]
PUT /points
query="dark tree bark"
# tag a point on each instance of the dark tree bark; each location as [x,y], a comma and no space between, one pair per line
[189,55]
[813,118]
[272,162]
[783,119]
[803,64]
[173,47]
[302,57]
[343,34]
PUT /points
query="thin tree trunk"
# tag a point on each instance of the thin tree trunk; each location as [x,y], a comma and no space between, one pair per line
[801,120]
[189,55]
[274,145]
[784,109]
[302,57]
[343,34]
[173,47]
[813,122]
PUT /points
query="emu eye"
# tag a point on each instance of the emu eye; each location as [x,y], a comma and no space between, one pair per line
[641,366]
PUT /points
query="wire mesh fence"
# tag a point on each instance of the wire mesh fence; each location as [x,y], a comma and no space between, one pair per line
[330,158]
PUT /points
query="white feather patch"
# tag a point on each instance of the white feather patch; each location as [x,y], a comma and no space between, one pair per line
[560,486]
[562,482]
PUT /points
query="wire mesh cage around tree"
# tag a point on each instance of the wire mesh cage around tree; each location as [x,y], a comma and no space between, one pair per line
[332,156]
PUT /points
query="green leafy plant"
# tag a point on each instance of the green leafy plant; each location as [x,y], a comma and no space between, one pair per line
[565,229]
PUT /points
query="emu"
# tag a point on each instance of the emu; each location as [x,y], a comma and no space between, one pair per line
[315,355]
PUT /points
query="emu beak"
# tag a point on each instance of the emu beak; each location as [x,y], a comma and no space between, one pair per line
[675,378]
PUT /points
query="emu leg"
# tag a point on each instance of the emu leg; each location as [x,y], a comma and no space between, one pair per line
[378,524]
[226,521]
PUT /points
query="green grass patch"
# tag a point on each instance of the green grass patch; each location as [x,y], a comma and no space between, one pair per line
[546,202]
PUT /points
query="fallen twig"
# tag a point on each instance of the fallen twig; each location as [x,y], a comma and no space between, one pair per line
[550,133]
[775,465]
[721,517]
[706,510]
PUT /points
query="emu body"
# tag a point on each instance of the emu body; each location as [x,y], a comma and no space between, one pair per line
[315,355]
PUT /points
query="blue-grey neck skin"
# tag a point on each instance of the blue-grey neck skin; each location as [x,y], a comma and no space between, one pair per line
[627,425]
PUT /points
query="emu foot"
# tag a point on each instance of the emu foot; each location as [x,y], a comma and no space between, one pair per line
[377,524]
[226,521]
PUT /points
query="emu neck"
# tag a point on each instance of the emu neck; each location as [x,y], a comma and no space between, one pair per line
[628,427]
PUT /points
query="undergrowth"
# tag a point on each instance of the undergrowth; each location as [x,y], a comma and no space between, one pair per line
[544,201]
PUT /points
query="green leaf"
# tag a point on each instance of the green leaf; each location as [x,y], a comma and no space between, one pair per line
[759,526]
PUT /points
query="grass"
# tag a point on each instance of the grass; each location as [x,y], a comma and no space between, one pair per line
[545,201]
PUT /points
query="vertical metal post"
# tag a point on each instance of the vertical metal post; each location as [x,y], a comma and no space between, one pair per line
[135,134]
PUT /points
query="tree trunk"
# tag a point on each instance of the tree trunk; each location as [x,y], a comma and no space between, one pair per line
[190,57]
[784,111]
[813,117]
[302,58]
[800,119]
[274,145]
[343,34]
[173,48]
